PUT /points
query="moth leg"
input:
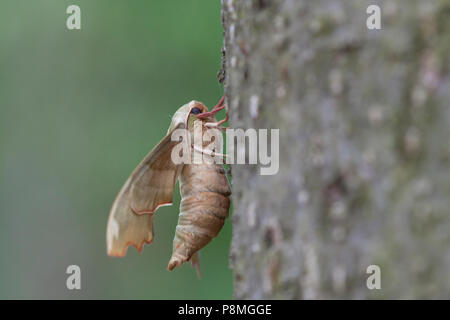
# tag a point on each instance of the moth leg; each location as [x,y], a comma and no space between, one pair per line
[214,125]
[209,152]
[217,124]
[214,110]
[223,120]
[222,100]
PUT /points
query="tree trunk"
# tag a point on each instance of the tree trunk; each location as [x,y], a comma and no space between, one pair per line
[364,125]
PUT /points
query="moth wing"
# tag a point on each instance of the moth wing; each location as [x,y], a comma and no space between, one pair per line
[150,186]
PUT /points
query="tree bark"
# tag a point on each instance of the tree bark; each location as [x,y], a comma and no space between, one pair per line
[364,124]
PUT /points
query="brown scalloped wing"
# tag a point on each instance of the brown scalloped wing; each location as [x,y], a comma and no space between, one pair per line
[150,186]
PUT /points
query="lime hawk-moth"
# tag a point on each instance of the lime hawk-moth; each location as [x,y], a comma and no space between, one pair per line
[204,192]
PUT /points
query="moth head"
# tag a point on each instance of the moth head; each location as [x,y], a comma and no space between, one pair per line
[191,112]
[198,112]
[197,109]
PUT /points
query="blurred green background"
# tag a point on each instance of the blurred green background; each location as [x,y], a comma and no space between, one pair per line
[78,111]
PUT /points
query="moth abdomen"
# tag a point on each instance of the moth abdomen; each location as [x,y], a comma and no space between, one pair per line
[204,207]
[203,217]
[211,203]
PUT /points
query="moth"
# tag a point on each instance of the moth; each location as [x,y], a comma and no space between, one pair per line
[204,192]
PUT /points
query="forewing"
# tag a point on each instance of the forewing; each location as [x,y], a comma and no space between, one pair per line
[150,186]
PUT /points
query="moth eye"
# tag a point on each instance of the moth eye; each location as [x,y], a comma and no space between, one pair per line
[196,110]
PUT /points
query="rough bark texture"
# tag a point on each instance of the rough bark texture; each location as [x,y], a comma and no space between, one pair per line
[364,125]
